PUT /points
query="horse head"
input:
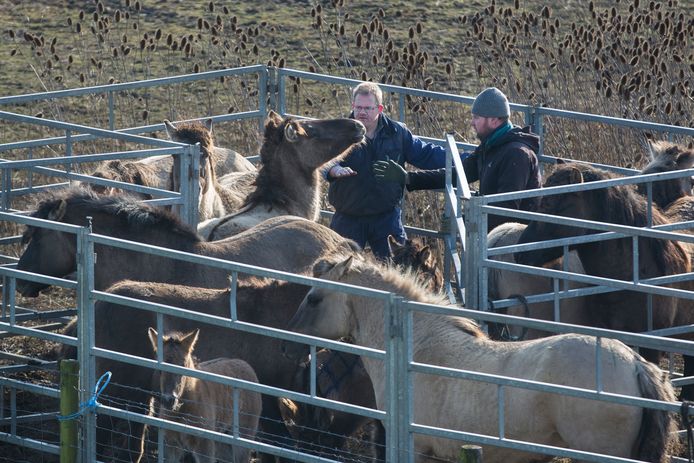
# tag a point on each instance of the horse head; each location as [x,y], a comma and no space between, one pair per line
[48,252]
[419,257]
[577,205]
[308,144]
[668,157]
[323,312]
[177,349]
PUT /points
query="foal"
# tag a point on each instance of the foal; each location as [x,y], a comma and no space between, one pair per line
[203,404]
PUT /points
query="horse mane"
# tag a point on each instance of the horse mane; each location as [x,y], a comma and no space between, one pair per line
[130,212]
[623,205]
[270,170]
[405,283]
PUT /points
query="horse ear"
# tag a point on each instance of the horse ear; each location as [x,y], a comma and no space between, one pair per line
[170,128]
[394,243]
[339,270]
[273,119]
[58,212]
[152,334]
[575,176]
[322,267]
[651,147]
[189,340]
[208,124]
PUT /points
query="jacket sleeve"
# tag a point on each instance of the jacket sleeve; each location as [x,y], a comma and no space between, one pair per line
[421,154]
[426,179]
[470,168]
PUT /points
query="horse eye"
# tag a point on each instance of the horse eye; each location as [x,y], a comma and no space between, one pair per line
[313,299]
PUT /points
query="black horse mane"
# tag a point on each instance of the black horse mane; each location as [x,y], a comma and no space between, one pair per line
[623,205]
[267,178]
[128,210]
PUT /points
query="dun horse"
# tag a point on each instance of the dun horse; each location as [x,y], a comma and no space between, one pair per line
[668,157]
[471,406]
[215,201]
[204,404]
[283,243]
[156,171]
[288,181]
[620,310]
[505,284]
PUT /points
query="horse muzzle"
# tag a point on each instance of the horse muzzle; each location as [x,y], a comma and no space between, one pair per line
[30,288]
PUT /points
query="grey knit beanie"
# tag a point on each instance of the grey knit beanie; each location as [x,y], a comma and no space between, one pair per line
[491,103]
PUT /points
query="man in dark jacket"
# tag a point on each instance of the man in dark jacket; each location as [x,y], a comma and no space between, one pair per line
[504,161]
[368,210]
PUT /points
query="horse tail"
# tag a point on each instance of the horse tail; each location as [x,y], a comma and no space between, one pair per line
[657,436]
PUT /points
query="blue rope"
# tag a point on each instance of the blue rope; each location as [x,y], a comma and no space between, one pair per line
[92,403]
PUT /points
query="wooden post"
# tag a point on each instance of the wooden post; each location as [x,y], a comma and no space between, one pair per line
[69,404]
[470,454]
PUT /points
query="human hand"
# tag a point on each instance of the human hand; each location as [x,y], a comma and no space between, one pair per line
[339,172]
[390,171]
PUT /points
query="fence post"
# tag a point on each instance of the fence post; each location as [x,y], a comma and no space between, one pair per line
[272,88]
[85,335]
[69,404]
[470,454]
[473,218]
[396,419]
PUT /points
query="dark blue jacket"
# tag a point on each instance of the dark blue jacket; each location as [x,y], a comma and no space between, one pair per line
[361,194]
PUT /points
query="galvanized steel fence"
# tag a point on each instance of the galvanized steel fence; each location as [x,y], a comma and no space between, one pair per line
[468,256]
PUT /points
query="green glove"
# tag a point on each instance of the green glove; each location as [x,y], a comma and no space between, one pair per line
[389,171]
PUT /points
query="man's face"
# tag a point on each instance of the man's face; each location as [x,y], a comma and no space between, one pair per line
[366,110]
[484,125]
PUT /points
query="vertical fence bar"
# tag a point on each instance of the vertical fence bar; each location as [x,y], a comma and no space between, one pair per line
[262,96]
[271,88]
[281,92]
[473,242]
[501,403]
[111,112]
[85,330]
[408,339]
[68,149]
[189,176]
[69,404]
[6,188]
[393,327]
[401,107]
[598,364]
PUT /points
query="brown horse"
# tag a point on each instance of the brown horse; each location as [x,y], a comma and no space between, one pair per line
[203,404]
[329,433]
[471,406]
[621,310]
[418,256]
[288,181]
[124,329]
[283,243]
[667,157]
[215,201]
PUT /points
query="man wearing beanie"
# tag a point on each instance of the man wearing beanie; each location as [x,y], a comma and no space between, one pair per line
[504,161]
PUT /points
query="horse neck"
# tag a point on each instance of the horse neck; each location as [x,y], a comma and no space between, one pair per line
[300,187]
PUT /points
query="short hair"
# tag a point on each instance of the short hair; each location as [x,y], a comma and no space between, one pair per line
[368,88]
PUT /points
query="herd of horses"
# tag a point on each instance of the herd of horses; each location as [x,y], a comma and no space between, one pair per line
[267,217]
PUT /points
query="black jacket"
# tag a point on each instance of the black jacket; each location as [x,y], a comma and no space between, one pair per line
[508,163]
[363,195]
